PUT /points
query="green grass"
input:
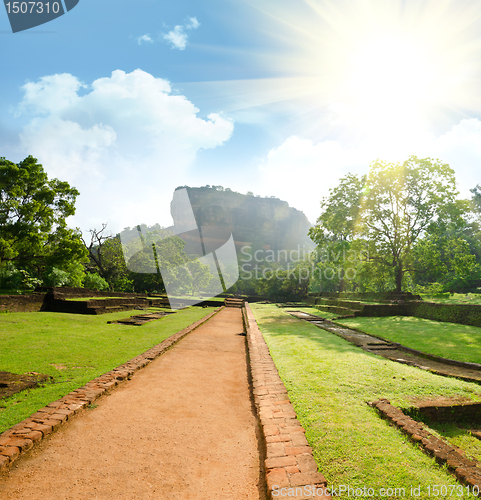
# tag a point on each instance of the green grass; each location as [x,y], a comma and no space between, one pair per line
[330,382]
[84,299]
[449,340]
[459,435]
[313,311]
[74,349]
[197,297]
[455,298]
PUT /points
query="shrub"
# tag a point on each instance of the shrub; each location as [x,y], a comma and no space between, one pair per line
[56,277]
[10,277]
[95,282]
[464,314]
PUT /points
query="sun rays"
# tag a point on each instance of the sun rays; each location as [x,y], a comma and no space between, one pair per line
[372,68]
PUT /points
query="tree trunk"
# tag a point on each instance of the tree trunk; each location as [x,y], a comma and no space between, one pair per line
[399,277]
[342,286]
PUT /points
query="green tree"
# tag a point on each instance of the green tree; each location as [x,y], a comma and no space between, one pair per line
[297,279]
[115,269]
[340,211]
[201,275]
[476,200]
[334,233]
[401,203]
[33,212]
[472,232]
[444,260]
[107,259]
[156,250]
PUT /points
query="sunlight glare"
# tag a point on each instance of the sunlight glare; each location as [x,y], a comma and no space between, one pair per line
[393,69]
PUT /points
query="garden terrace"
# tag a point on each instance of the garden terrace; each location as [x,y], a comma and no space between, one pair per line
[330,381]
[465,314]
[83,301]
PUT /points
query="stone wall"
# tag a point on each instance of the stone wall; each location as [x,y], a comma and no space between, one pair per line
[22,303]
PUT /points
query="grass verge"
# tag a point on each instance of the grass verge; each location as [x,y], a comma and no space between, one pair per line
[86,299]
[455,298]
[449,340]
[329,382]
[314,312]
[74,349]
[459,434]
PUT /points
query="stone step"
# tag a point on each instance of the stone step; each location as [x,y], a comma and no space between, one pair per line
[230,302]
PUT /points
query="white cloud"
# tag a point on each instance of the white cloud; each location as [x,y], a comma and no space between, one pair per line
[178,37]
[302,172]
[192,24]
[51,93]
[460,147]
[144,39]
[125,145]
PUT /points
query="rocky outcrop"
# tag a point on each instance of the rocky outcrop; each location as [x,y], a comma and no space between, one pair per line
[261,223]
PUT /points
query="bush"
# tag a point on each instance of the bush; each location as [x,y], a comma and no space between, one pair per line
[76,274]
[464,314]
[56,277]
[10,277]
[432,289]
[95,282]
[29,282]
[446,295]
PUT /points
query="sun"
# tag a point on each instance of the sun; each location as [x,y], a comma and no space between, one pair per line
[390,73]
[384,68]
[391,83]
[398,65]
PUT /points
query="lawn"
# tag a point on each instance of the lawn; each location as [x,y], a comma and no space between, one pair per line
[198,297]
[449,340]
[459,435]
[330,382]
[74,349]
[455,298]
[313,312]
[84,299]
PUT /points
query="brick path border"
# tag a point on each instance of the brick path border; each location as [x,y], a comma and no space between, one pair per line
[22,437]
[467,471]
[289,461]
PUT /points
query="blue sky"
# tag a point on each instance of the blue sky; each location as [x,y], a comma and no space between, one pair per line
[129,99]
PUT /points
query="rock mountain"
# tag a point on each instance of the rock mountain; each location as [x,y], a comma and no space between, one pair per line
[259,223]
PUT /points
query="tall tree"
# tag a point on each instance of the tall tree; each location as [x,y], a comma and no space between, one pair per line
[334,231]
[107,259]
[95,249]
[476,200]
[339,211]
[404,201]
[33,212]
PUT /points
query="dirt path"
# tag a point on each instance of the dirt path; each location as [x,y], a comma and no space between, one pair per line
[182,428]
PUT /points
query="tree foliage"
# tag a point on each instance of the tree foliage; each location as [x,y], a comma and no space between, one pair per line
[340,211]
[403,201]
[409,221]
[33,210]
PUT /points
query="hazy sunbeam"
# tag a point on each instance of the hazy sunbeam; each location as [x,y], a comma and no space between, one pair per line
[370,67]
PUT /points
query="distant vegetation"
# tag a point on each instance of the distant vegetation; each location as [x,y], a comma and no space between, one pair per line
[400,227]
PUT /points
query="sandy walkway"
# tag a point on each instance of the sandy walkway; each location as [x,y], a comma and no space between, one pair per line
[182,428]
